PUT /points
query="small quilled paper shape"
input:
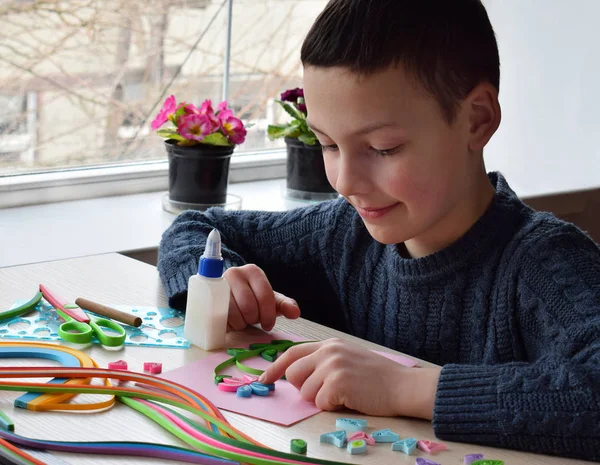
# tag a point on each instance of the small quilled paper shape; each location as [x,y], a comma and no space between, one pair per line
[422,461]
[244,391]
[407,445]
[336,438]
[385,435]
[470,458]
[245,386]
[357,447]
[153,367]
[362,435]
[431,447]
[298,446]
[118,365]
[351,424]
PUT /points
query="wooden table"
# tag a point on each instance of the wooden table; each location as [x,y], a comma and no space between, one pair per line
[113,278]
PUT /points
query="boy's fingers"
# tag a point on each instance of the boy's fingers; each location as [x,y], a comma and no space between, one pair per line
[277,369]
[246,301]
[311,387]
[266,301]
[300,370]
[326,399]
[234,318]
[286,306]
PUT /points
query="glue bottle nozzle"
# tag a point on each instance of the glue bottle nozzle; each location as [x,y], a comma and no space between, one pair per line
[213,245]
[211,261]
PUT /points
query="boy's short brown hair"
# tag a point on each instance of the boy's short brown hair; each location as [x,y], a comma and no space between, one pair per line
[449,46]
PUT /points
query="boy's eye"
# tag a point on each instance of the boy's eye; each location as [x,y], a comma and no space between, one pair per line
[383,153]
[387,152]
[325,148]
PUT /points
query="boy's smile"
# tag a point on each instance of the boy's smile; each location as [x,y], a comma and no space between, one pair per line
[373,213]
[411,175]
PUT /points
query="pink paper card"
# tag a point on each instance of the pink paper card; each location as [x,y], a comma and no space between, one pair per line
[284,406]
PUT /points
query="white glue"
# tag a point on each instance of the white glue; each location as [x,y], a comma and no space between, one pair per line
[208,299]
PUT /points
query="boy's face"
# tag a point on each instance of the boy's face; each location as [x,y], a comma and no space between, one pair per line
[389,151]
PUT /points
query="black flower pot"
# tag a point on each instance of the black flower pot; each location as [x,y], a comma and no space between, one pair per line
[198,174]
[306,178]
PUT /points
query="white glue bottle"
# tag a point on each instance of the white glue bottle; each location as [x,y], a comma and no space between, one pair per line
[208,299]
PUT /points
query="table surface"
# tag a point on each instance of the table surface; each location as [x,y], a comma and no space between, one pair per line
[115,279]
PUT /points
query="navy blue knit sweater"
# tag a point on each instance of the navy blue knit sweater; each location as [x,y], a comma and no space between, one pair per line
[511,310]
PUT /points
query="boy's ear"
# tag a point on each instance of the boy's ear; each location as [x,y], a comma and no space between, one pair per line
[484,115]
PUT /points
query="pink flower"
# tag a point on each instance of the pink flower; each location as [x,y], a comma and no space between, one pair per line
[188,108]
[207,109]
[222,106]
[163,115]
[232,127]
[195,127]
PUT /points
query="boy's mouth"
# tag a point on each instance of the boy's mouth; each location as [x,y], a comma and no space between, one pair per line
[371,213]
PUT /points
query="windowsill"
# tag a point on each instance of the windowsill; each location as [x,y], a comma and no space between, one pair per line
[122,179]
[135,222]
[110,224]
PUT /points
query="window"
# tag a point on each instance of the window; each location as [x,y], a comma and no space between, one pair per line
[81,81]
[17,129]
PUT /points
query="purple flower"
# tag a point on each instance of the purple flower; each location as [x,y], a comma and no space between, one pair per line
[292,95]
[302,107]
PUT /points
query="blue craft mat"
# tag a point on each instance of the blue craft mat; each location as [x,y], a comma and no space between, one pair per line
[44,324]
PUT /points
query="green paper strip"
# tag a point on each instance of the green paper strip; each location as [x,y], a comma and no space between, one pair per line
[21,309]
[124,394]
[116,391]
[252,447]
[270,355]
[6,423]
[182,435]
[255,350]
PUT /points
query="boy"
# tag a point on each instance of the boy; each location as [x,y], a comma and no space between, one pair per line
[425,253]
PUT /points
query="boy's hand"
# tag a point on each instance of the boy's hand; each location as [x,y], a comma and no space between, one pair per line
[335,374]
[253,299]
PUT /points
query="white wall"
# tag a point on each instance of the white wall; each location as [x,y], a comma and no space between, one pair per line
[550,94]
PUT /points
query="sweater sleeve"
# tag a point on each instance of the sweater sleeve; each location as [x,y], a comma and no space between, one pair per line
[291,247]
[550,403]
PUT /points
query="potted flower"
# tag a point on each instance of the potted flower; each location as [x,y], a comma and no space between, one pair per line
[306,178]
[199,143]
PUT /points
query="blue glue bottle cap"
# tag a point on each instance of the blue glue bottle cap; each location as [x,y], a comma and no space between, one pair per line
[211,261]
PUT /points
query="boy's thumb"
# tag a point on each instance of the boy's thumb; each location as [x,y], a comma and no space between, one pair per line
[286,306]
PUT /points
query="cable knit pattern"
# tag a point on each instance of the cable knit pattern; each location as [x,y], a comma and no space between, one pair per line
[511,310]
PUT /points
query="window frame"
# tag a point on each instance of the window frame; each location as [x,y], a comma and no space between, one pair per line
[130,178]
[123,179]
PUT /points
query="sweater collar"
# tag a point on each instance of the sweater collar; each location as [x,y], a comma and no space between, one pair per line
[495,227]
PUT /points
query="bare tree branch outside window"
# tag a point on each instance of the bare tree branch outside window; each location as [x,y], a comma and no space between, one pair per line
[79,77]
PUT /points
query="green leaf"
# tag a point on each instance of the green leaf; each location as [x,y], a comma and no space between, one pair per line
[275,131]
[216,138]
[170,134]
[279,130]
[291,110]
[307,139]
[175,116]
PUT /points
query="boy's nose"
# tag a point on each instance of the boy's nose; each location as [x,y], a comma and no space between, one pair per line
[351,178]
